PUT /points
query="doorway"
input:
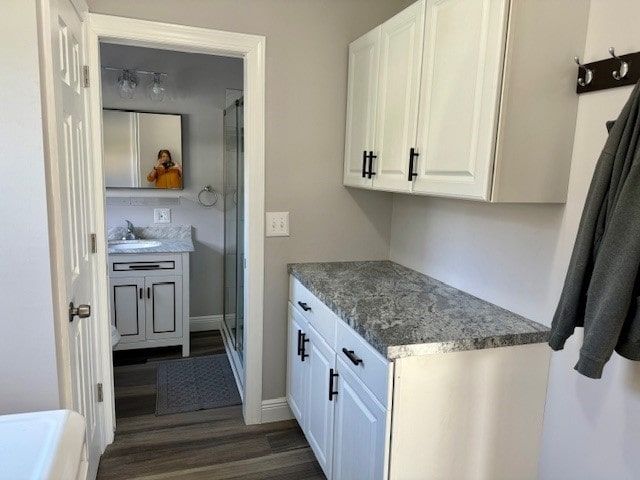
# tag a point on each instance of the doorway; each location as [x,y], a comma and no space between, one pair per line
[250,49]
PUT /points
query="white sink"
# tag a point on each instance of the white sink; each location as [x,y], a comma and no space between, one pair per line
[133,244]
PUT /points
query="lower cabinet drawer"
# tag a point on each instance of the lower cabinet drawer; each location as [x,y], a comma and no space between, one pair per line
[364,361]
[313,310]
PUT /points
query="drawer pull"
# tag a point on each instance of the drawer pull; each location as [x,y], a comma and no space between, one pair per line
[303,354]
[352,356]
[331,377]
[143,267]
[304,306]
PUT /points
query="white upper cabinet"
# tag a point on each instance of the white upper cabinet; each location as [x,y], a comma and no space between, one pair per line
[382,108]
[492,117]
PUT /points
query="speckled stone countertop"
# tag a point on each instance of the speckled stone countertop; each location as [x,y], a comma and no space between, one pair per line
[171,239]
[402,313]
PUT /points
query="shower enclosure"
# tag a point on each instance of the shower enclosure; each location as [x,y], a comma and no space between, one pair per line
[233,324]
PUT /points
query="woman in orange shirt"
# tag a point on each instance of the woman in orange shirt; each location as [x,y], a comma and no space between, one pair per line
[166,173]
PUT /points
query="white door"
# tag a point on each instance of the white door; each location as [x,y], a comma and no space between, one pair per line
[73,175]
[322,380]
[461,80]
[360,426]
[362,96]
[398,95]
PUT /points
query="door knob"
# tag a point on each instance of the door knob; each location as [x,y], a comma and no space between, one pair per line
[82,311]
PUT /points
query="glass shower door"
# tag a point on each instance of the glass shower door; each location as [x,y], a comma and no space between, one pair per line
[234,225]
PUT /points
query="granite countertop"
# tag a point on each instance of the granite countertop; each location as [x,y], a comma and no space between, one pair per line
[172,239]
[402,313]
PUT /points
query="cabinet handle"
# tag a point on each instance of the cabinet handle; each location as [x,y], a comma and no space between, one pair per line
[299,342]
[144,267]
[148,292]
[331,377]
[364,163]
[412,155]
[304,306]
[352,356]
[303,348]
[140,293]
[371,157]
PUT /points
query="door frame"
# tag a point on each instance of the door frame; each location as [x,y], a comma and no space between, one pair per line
[251,48]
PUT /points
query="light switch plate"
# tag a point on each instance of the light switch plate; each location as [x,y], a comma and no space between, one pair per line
[277,224]
[161,215]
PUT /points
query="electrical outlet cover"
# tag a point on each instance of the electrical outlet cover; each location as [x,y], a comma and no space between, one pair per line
[161,215]
[277,224]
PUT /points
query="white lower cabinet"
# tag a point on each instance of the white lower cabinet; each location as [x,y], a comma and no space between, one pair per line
[464,415]
[149,301]
[344,422]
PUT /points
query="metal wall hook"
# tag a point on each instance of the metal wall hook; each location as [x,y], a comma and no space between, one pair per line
[588,74]
[624,66]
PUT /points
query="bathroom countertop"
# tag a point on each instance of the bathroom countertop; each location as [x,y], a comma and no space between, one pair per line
[402,313]
[172,239]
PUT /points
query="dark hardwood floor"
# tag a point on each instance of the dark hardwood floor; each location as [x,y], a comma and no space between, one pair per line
[208,444]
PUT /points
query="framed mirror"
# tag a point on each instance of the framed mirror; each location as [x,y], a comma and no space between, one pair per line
[136,146]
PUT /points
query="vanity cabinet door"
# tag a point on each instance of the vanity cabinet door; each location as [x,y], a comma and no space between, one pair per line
[318,424]
[360,431]
[297,374]
[128,308]
[163,306]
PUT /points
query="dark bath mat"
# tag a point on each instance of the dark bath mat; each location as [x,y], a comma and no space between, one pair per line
[197,383]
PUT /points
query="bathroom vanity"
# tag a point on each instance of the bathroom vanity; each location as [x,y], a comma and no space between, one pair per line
[393,374]
[149,288]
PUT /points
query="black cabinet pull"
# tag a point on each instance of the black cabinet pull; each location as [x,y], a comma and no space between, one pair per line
[412,155]
[299,342]
[352,356]
[371,157]
[304,306]
[303,348]
[148,292]
[331,376]
[364,163]
[140,293]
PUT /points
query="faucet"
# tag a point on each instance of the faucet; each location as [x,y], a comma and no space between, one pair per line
[130,235]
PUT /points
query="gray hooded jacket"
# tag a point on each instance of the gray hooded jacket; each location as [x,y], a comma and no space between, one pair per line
[602,288]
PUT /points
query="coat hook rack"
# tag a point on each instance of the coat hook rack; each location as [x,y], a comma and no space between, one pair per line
[613,72]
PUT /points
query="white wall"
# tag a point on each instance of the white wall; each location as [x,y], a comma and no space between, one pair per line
[196,86]
[306,83]
[516,256]
[28,373]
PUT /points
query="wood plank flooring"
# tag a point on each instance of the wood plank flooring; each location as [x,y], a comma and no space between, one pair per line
[208,444]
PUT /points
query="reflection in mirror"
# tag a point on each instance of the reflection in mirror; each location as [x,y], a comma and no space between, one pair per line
[142,150]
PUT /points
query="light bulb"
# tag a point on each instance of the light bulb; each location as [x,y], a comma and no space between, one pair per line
[156,89]
[127,83]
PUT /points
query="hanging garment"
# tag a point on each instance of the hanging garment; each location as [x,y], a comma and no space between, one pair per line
[602,286]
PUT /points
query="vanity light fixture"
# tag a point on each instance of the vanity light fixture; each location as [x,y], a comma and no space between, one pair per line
[128,81]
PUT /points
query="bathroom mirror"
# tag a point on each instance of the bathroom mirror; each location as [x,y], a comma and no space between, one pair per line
[132,142]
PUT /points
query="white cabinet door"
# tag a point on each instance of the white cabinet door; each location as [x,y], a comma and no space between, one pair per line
[297,372]
[461,80]
[163,306]
[360,431]
[128,308]
[362,98]
[318,426]
[398,95]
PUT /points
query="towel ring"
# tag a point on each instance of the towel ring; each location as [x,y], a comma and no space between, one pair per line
[208,189]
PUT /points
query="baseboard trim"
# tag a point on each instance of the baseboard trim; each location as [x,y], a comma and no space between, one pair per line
[275,410]
[207,322]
